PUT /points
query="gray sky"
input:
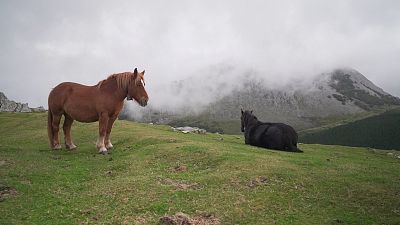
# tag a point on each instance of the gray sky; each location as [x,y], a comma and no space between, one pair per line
[44,43]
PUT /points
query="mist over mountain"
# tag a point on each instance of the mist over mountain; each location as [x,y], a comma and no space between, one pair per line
[301,103]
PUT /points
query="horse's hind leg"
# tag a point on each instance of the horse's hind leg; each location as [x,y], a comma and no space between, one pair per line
[55,126]
[67,132]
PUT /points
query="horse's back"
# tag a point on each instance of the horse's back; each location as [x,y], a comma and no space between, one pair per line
[74,99]
[289,136]
[275,136]
[58,95]
[65,90]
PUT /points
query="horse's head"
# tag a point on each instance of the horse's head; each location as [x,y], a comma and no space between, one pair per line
[136,89]
[245,118]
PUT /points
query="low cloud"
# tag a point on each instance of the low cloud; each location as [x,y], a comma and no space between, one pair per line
[47,42]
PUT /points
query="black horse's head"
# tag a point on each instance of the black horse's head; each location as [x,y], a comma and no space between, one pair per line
[246,117]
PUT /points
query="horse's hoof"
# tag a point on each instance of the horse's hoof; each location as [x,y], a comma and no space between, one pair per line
[103,151]
[109,146]
[70,147]
[57,147]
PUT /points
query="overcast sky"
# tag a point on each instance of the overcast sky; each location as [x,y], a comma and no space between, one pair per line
[43,43]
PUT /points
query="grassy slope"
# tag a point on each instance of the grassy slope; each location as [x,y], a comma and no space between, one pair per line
[325,185]
[379,131]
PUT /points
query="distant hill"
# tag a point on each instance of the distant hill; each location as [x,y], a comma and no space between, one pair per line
[381,131]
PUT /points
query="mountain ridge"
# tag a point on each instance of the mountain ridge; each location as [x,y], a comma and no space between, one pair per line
[337,93]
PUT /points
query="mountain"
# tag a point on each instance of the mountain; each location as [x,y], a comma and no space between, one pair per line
[300,103]
[338,93]
[380,131]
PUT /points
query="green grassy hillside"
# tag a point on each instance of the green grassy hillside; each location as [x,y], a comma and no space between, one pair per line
[380,131]
[153,172]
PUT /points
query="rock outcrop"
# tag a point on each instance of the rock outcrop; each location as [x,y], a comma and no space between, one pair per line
[7,105]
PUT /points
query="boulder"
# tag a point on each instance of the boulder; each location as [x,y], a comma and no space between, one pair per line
[186,130]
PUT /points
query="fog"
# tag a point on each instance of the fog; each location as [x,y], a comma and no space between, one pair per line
[44,43]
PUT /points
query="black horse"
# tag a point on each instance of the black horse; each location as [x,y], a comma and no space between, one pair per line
[277,136]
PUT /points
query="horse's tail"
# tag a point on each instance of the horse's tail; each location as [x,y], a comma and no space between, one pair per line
[50,126]
[293,142]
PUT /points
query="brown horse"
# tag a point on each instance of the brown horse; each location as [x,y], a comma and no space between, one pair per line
[102,102]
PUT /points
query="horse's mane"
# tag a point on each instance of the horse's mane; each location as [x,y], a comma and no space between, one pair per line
[123,79]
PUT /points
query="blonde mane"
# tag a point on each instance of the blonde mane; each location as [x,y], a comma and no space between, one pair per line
[123,80]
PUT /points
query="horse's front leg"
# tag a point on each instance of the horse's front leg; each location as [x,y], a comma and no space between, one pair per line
[103,123]
[107,141]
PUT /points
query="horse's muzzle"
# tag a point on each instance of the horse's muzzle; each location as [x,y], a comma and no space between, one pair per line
[143,102]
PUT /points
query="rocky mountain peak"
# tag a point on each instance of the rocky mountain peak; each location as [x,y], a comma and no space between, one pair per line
[352,86]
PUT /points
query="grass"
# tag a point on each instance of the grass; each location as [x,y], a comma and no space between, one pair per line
[137,184]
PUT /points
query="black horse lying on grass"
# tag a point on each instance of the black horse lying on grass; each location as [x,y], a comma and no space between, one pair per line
[277,136]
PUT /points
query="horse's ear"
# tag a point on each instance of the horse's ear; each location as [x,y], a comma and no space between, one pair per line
[143,72]
[139,78]
[251,112]
[241,110]
[135,71]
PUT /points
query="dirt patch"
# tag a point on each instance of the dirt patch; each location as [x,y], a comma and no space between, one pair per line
[3,162]
[89,213]
[184,219]
[178,169]
[258,181]
[6,191]
[6,163]
[179,185]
